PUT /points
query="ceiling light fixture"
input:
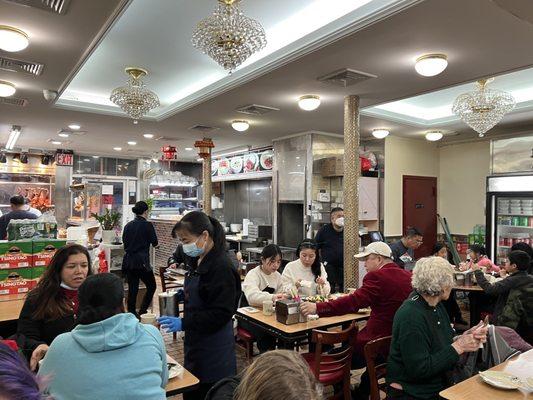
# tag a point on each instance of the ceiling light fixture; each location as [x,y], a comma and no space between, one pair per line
[148,135]
[228,36]
[380,133]
[132,143]
[483,108]
[13,137]
[13,39]
[434,136]
[134,99]
[309,102]
[63,135]
[7,89]
[45,159]
[431,64]
[56,142]
[117,148]
[23,158]
[74,127]
[188,149]
[240,125]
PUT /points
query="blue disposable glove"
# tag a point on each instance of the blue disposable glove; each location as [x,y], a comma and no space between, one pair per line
[170,324]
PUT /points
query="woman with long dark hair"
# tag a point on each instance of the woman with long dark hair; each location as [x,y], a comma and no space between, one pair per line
[212,290]
[110,345]
[307,273]
[137,237]
[51,308]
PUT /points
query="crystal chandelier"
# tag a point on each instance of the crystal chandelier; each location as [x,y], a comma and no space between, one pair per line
[228,36]
[134,98]
[483,108]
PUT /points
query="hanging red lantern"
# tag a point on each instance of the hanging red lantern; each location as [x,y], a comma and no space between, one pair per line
[169,153]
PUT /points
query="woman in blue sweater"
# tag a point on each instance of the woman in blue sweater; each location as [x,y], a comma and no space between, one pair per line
[109,355]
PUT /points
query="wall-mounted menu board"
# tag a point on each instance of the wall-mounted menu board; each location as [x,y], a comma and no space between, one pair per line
[251,165]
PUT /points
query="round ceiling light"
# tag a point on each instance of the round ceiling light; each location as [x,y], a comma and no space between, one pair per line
[434,136]
[132,143]
[431,64]
[75,127]
[7,89]
[13,39]
[148,135]
[380,133]
[117,148]
[240,125]
[64,135]
[309,102]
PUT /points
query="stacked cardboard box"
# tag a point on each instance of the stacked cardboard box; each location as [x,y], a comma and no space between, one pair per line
[23,261]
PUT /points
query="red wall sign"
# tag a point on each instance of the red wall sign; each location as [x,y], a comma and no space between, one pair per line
[65,158]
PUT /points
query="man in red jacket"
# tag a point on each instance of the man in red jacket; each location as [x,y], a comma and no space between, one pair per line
[385,287]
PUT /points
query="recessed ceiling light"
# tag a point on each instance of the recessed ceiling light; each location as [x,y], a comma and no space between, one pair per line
[74,127]
[309,102]
[63,134]
[132,143]
[86,159]
[96,156]
[240,125]
[188,148]
[56,142]
[148,135]
[434,136]
[380,133]
[431,64]
[7,89]
[117,148]
[13,39]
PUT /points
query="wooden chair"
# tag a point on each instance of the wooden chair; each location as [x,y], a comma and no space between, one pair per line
[333,368]
[167,283]
[246,340]
[376,354]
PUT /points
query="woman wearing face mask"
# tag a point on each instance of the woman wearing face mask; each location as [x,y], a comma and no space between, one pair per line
[137,237]
[307,273]
[263,283]
[51,308]
[211,292]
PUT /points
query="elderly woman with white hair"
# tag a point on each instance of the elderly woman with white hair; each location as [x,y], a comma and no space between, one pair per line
[424,351]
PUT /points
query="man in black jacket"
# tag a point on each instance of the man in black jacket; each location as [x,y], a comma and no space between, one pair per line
[517,267]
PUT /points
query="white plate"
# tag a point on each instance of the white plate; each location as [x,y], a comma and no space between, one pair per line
[176,371]
[501,380]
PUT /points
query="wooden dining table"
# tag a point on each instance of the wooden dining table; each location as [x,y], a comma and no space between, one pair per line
[179,385]
[289,334]
[475,389]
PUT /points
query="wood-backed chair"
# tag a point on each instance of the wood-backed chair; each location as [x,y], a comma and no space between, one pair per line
[168,283]
[333,368]
[376,354]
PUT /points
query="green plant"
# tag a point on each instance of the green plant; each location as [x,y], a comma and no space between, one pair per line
[150,202]
[109,220]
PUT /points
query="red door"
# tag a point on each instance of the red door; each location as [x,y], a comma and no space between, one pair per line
[420,209]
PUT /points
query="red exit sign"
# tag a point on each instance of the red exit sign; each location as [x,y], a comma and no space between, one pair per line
[65,158]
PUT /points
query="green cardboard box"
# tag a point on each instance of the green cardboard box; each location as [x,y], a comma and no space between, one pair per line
[44,249]
[36,272]
[16,281]
[16,254]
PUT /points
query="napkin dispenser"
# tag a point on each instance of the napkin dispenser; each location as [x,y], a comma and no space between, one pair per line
[287,312]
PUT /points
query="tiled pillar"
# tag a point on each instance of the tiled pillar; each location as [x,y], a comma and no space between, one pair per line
[352,171]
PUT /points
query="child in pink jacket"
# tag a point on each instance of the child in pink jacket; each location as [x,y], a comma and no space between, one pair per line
[478,255]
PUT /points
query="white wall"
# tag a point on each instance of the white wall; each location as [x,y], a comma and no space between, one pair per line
[404,157]
[463,169]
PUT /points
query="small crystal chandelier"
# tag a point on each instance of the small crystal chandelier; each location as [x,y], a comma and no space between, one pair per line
[134,98]
[483,108]
[228,36]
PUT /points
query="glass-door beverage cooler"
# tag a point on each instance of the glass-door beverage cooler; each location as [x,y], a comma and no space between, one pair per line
[509,214]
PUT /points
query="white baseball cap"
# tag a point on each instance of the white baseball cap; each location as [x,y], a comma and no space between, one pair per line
[379,248]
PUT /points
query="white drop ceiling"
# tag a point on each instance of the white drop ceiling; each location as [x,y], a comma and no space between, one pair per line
[384,45]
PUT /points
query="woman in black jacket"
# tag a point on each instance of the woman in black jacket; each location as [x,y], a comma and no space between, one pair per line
[50,309]
[137,237]
[212,290]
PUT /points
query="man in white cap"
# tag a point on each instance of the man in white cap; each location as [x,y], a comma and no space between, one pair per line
[385,287]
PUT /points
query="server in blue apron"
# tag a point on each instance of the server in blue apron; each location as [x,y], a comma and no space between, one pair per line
[211,293]
[137,237]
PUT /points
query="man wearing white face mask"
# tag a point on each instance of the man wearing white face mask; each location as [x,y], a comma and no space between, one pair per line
[330,242]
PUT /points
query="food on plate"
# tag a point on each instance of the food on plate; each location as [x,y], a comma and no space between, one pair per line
[251,162]
[267,160]
[236,164]
[316,299]
[223,167]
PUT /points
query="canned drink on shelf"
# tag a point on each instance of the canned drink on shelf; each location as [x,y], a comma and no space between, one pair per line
[515,221]
[524,221]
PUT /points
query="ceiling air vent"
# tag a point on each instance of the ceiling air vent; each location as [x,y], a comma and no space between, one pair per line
[167,139]
[345,77]
[13,101]
[13,65]
[55,6]
[256,109]
[203,128]
[74,133]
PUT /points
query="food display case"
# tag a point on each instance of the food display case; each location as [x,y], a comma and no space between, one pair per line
[39,189]
[86,199]
[172,193]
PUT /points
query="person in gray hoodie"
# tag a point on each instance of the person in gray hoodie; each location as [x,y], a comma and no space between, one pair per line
[109,355]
